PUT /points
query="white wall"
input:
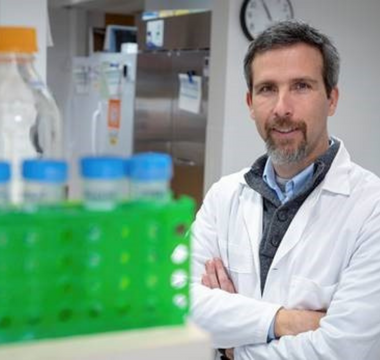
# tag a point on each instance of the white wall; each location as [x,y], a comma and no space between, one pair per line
[232,142]
[28,13]
[355,28]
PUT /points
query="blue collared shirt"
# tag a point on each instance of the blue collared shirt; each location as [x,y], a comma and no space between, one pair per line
[292,187]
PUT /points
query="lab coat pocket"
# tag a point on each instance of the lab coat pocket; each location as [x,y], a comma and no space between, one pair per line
[306,294]
[238,258]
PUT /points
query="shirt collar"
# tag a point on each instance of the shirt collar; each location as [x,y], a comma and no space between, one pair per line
[293,186]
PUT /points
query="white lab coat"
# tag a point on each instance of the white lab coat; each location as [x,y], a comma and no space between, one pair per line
[328,259]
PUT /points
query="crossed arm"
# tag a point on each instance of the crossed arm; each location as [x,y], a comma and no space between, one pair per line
[286,322]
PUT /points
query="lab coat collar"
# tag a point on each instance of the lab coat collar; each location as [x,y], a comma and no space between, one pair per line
[337,178]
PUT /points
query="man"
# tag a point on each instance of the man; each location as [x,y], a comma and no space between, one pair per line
[286,254]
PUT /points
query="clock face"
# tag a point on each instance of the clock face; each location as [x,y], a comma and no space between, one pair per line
[256,15]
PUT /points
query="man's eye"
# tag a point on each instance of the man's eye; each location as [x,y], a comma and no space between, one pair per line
[302,86]
[266,89]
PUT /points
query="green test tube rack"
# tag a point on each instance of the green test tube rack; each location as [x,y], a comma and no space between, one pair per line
[68,271]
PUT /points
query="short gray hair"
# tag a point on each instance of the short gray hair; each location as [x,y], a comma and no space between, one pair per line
[288,33]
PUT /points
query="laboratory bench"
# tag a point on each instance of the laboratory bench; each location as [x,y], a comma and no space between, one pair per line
[166,343]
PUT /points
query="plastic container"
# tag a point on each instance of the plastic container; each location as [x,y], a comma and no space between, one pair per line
[5,176]
[103,179]
[44,182]
[150,175]
[30,123]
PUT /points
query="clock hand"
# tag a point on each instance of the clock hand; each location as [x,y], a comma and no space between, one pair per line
[267,10]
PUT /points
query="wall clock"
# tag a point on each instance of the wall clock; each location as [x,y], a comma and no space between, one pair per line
[256,15]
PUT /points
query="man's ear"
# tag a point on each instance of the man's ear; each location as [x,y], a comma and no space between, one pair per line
[248,99]
[333,100]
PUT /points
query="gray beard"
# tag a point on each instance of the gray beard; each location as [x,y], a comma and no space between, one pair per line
[281,156]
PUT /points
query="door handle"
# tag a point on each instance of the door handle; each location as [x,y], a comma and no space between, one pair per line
[182,161]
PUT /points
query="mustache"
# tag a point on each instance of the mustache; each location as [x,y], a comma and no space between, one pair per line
[285,124]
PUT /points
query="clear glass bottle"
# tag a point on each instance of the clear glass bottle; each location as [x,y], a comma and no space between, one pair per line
[44,182]
[30,122]
[150,175]
[103,182]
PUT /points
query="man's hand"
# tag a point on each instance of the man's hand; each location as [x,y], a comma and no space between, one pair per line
[216,276]
[230,353]
[294,322]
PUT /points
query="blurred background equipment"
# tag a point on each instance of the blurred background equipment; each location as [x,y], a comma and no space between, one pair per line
[101,109]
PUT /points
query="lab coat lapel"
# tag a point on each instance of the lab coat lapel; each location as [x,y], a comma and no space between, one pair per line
[253,218]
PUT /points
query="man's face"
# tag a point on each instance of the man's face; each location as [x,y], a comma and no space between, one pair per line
[289,103]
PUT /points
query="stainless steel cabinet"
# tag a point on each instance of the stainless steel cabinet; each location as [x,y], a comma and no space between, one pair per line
[160,124]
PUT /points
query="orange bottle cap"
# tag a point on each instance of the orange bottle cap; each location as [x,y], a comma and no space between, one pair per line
[18,39]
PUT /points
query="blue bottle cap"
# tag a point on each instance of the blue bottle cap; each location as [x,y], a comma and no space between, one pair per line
[51,171]
[151,166]
[102,167]
[5,171]
[127,167]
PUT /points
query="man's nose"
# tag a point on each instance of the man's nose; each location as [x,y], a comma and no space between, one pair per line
[284,105]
